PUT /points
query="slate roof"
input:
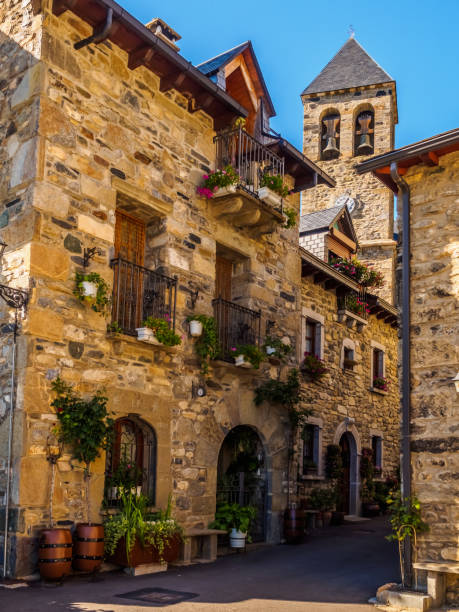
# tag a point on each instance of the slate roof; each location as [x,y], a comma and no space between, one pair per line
[212,66]
[350,67]
[321,219]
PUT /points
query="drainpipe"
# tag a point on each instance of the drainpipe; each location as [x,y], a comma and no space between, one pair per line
[98,36]
[10,445]
[404,191]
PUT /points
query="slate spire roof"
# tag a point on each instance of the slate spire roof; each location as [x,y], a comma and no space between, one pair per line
[350,67]
[322,220]
[212,65]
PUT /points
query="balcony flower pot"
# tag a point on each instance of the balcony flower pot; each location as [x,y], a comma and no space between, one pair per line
[270,350]
[145,334]
[237,538]
[240,362]
[270,197]
[89,289]
[224,191]
[195,329]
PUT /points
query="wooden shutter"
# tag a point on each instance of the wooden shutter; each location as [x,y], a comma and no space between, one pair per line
[317,340]
[129,238]
[223,276]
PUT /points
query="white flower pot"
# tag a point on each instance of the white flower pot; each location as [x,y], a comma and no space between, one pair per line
[145,334]
[270,350]
[240,361]
[224,191]
[136,490]
[237,538]
[89,289]
[195,329]
[268,196]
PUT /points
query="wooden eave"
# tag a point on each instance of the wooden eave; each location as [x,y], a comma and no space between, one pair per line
[426,152]
[305,172]
[146,49]
[330,278]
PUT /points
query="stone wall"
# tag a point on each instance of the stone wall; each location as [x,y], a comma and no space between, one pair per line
[343,394]
[108,138]
[434,355]
[373,213]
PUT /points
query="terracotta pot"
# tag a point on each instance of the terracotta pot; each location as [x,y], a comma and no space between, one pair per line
[55,553]
[294,525]
[89,547]
[326,518]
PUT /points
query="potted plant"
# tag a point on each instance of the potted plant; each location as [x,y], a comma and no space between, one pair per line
[323,499]
[248,356]
[158,331]
[55,552]
[85,426]
[380,383]
[196,325]
[126,476]
[219,183]
[274,347]
[234,519]
[272,189]
[358,271]
[114,329]
[92,288]
[207,345]
[313,367]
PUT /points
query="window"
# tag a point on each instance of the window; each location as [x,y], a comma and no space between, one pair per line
[376,447]
[330,136]
[378,363]
[310,449]
[131,461]
[313,337]
[364,133]
[348,361]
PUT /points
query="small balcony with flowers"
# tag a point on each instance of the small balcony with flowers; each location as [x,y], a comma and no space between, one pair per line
[248,187]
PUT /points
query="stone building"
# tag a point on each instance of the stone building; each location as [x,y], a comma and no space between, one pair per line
[106,133]
[350,113]
[104,145]
[425,175]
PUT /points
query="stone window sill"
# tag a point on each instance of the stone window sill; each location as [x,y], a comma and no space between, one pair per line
[351,319]
[312,477]
[120,337]
[219,363]
[378,391]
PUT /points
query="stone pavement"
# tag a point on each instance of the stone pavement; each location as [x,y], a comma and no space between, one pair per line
[334,571]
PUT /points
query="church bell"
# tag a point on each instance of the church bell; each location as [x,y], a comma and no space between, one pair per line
[365,147]
[331,150]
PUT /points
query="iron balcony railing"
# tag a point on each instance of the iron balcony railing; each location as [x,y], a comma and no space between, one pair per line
[236,325]
[139,293]
[355,302]
[249,157]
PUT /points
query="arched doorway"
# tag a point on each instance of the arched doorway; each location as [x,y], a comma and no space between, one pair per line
[348,501]
[242,475]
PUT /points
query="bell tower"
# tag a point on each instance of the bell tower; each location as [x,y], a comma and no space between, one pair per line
[350,112]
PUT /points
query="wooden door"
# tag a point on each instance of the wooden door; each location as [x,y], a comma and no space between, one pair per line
[129,273]
[345,483]
[223,276]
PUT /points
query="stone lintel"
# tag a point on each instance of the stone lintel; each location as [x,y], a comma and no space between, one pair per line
[142,196]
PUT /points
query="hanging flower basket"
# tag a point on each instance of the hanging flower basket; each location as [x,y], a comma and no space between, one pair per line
[195,329]
[89,289]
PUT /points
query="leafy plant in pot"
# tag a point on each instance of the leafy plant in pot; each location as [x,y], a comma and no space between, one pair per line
[248,355]
[274,347]
[236,520]
[55,552]
[324,500]
[91,288]
[84,425]
[207,345]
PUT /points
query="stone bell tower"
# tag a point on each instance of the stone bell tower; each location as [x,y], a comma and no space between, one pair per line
[350,112]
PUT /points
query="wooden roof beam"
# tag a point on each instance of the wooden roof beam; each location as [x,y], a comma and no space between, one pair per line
[430,158]
[140,56]
[320,277]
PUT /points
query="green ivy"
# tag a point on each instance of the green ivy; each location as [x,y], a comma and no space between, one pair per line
[114,327]
[285,394]
[162,331]
[207,346]
[281,349]
[102,297]
[290,213]
[275,182]
[405,516]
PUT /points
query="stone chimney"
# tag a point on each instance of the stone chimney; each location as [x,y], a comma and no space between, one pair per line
[164,32]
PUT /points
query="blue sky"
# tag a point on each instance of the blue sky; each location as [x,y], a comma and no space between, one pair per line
[415,41]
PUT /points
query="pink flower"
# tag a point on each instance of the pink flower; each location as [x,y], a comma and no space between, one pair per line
[233,348]
[205,177]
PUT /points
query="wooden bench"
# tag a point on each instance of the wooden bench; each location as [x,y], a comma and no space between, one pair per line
[436,578]
[199,546]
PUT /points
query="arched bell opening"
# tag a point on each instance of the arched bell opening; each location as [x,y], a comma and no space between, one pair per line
[330,136]
[364,132]
[242,475]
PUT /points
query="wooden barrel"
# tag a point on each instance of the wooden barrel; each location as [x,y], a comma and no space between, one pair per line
[88,549]
[294,524]
[55,553]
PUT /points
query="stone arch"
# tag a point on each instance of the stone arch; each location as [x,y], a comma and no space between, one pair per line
[348,429]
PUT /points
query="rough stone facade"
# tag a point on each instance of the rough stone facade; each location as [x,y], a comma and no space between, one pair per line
[344,400]
[434,339]
[373,212]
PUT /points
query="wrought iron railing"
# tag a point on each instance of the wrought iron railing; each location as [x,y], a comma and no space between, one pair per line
[139,293]
[355,302]
[249,157]
[236,325]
